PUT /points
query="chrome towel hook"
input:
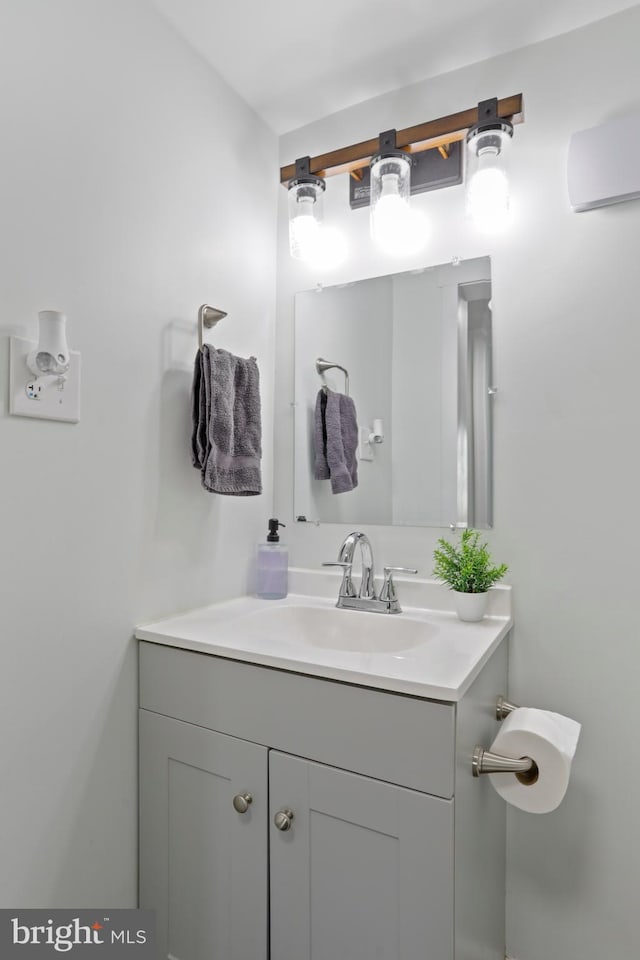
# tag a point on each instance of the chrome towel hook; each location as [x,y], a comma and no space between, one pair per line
[208,317]
[322,365]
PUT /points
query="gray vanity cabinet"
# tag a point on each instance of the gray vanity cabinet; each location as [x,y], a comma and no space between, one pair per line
[365,872]
[203,867]
[366,837]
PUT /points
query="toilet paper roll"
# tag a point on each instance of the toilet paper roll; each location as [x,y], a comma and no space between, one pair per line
[548,738]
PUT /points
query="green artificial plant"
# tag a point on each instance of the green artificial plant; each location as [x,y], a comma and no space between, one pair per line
[467,568]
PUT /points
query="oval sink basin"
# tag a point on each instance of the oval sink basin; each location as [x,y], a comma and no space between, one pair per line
[328,628]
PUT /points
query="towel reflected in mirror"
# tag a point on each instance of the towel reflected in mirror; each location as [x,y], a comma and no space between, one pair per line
[336,440]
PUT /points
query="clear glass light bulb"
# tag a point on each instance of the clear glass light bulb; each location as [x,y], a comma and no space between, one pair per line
[390,206]
[303,230]
[488,190]
[399,230]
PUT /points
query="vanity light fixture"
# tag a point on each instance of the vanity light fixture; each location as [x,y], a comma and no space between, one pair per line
[394,225]
[305,211]
[487,185]
[430,149]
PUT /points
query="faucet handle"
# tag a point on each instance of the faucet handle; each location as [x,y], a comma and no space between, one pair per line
[388,591]
[347,588]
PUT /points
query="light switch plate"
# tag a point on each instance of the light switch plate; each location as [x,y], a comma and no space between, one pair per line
[52,403]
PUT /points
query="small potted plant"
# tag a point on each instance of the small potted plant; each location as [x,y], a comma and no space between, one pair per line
[468,571]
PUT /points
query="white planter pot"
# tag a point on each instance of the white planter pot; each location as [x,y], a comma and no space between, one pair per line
[470,606]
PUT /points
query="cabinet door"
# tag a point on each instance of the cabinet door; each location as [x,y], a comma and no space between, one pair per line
[203,866]
[364,873]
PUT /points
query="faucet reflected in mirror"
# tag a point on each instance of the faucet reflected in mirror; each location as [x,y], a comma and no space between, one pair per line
[366,598]
[418,348]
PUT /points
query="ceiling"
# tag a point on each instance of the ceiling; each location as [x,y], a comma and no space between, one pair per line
[297,64]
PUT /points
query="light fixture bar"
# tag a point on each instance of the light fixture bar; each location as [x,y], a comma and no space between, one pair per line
[423,136]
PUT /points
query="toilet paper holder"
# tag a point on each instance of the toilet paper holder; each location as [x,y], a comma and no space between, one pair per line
[483,761]
[504,707]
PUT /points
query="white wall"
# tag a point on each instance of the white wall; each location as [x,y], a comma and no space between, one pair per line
[566,347]
[130,174]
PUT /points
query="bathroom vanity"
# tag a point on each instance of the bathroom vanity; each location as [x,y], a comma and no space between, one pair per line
[295,806]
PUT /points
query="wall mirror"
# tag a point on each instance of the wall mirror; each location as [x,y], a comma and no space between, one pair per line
[414,351]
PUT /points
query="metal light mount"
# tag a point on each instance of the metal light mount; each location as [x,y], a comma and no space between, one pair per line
[488,131]
[304,177]
[388,149]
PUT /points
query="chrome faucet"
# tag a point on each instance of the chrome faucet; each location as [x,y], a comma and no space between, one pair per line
[366,598]
[367,589]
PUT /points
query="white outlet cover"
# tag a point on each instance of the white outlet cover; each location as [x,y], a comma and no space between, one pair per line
[52,404]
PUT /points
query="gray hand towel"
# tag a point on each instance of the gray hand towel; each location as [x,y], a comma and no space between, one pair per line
[336,440]
[226,443]
[198,414]
[320,465]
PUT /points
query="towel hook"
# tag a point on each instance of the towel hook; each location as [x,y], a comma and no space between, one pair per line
[322,365]
[208,317]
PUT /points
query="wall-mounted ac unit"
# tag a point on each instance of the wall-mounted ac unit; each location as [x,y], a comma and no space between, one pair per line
[604,164]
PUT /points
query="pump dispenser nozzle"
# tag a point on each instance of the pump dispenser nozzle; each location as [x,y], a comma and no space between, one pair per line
[273,536]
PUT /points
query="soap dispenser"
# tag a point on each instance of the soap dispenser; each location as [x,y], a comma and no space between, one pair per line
[272,575]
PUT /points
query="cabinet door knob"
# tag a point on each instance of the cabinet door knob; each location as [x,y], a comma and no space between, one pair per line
[241,802]
[283,819]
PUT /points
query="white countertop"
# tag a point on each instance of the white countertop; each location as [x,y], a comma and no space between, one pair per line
[423,651]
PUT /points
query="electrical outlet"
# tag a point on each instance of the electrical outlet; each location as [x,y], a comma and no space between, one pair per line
[45,397]
[33,390]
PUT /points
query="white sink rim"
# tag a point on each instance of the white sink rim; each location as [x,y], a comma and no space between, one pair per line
[442,668]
